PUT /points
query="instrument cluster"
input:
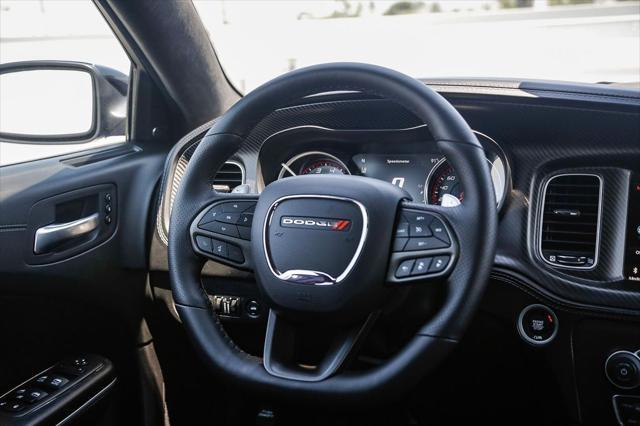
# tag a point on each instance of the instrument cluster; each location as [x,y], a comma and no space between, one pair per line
[426,177]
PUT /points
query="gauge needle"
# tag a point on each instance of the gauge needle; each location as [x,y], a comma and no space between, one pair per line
[449,200]
[287,168]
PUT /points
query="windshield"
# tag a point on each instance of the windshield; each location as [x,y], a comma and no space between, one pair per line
[572,40]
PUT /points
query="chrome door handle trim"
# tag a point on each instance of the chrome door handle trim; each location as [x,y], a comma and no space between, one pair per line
[50,236]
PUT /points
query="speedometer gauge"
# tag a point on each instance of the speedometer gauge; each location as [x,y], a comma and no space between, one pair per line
[443,186]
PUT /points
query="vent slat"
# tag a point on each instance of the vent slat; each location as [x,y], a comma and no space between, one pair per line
[573,235]
[228,177]
[572,185]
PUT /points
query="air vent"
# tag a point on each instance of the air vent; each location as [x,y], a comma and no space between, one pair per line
[228,177]
[571,221]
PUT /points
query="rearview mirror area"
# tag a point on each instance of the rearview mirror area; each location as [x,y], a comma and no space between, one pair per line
[47,103]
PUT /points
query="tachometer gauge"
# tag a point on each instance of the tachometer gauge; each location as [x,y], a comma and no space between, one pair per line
[324,166]
[313,163]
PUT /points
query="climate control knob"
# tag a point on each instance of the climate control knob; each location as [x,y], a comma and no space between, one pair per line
[623,369]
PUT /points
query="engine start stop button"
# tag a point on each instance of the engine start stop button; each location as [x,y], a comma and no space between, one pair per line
[537,324]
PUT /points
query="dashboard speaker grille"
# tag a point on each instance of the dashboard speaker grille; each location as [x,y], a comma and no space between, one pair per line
[571,220]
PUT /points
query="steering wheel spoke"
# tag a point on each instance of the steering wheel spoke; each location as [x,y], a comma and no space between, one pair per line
[282,342]
[222,230]
[424,246]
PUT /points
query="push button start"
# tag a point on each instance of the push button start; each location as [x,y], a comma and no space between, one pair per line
[537,324]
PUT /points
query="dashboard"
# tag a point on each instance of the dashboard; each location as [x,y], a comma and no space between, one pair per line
[532,139]
[565,165]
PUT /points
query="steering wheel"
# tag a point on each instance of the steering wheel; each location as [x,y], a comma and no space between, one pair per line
[331,250]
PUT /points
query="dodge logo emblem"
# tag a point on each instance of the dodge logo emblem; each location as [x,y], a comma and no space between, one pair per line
[315,223]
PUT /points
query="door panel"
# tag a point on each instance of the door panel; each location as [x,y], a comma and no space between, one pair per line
[84,294]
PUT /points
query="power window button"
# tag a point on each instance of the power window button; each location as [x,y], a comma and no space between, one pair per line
[12,406]
[54,382]
[28,395]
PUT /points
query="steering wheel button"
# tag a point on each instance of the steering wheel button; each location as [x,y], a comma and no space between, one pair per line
[211,215]
[402,230]
[244,232]
[428,243]
[439,231]
[234,253]
[219,248]
[204,243]
[221,228]
[420,230]
[405,268]
[399,243]
[237,206]
[416,218]
[439,263]
[232,218]
[245,219]
[421,266]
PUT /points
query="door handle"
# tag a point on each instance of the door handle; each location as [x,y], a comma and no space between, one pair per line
[52,235]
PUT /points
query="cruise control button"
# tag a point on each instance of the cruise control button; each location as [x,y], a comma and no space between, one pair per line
[234,253]
[204,243]
[420,230]
[399,243]
[415,218]
[237,206]
[244,232]
[228,218]
[219,248]
[221,228]
[421,266]
[404,269]
[428,243]
[246,219]
[439,231]
[402,230]
[211,215]
[439,263]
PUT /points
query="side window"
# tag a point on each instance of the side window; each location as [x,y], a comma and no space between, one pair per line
[64,80]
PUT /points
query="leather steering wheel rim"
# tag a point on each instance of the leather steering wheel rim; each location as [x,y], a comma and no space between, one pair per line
[474,223]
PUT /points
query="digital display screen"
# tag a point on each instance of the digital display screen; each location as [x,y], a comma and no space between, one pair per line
[406,171]
[632,258]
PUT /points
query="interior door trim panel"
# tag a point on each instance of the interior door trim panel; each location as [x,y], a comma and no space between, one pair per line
[25,188]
